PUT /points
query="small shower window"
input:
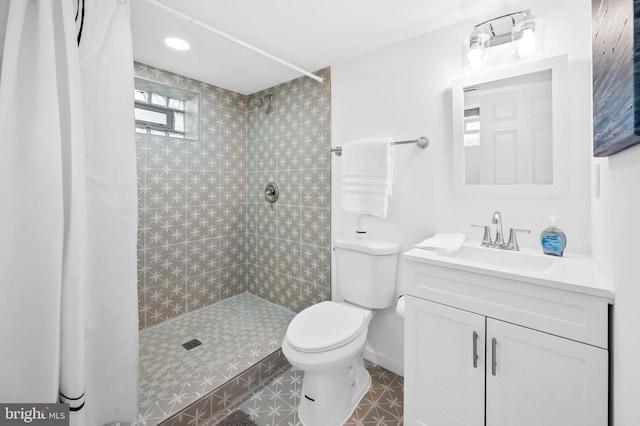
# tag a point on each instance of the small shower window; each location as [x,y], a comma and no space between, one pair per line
[165,111]
[162,116]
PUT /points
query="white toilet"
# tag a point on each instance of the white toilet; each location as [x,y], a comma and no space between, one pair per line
[326,341]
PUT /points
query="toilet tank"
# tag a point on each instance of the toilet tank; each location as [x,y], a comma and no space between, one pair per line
[366,271]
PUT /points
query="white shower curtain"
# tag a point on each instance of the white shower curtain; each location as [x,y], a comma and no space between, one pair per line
[68,208]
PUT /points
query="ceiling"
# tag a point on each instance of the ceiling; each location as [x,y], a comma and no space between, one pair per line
[308,34]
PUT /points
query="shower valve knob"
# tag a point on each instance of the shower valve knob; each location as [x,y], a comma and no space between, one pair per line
[271,192]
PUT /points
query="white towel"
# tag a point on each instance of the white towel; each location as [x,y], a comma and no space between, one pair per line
[443,243]
[366,176]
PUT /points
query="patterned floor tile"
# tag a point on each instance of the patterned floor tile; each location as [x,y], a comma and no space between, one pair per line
[276,404]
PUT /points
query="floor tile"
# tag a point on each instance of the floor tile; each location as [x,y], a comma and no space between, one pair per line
[276,404]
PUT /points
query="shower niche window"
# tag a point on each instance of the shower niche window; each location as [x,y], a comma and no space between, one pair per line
[165,111]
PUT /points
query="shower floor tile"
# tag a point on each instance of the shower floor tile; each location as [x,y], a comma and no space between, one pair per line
[235,333]
[277,403]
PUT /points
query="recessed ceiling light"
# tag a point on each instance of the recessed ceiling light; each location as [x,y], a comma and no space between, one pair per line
[176,43]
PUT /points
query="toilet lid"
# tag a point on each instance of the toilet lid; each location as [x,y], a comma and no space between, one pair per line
[325,326]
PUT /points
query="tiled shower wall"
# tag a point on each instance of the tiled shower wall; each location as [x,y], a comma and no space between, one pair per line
[288,142]
[205,232]
[191,206]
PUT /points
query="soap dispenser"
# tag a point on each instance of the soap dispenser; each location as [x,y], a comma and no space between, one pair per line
[553,239]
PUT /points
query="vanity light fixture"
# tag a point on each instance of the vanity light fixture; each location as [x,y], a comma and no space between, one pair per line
[522,29]
[176,43]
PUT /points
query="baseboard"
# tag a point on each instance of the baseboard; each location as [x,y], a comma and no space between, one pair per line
[393,365]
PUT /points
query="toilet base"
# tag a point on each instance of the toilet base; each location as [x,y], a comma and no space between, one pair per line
[329,398]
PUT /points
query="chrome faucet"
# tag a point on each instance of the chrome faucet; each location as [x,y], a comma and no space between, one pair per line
[497,220]
[498,242]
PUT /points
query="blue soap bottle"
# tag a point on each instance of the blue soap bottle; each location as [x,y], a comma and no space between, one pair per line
[553,239]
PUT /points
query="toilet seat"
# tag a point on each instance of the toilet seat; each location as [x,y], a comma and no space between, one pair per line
[325,326]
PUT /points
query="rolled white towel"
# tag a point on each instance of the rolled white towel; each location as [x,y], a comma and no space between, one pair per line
[443,243]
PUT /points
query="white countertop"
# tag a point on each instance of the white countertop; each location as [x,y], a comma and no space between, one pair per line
[572,272]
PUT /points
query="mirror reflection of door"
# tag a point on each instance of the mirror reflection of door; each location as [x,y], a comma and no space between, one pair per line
[508,131]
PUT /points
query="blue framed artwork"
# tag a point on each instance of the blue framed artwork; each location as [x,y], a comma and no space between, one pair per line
[616,75]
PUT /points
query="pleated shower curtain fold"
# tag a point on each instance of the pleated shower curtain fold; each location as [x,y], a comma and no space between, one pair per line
[68,209]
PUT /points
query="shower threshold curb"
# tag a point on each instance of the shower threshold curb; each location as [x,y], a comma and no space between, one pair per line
[218,387]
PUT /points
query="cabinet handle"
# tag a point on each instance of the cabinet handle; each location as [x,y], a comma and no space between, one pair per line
[475,349]
[494,343]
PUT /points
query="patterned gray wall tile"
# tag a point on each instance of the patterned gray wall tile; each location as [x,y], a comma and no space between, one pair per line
[289,223]
[165,301]
[312,152]
[209,221]
[288,294]
[234,186]
[191,193]
[252,272]
[290,187]
[143,308]
[232,219]
[203,257]
[290,145]
[310,294]
[253,195]
[316,224]
[162,152]
[213,286]
[288,151]
[165,264]
[315,190]
[315,264]
[267,220]
[288,253]
[288,111]
[233,249]
[197,289]
[233,280]
[195,193]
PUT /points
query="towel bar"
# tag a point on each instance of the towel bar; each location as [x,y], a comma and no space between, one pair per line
[422,142]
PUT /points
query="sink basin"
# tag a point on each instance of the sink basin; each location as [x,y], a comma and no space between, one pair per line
[524,261]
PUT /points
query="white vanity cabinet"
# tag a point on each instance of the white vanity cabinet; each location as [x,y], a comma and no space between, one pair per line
[442,383]
[491,349]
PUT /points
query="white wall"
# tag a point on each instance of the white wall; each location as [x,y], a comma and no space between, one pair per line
[404,91]
[616,234]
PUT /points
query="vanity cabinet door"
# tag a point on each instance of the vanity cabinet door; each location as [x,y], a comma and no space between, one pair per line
[535,378]
[444,365]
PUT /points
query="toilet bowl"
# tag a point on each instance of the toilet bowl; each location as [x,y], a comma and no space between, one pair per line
[327,341]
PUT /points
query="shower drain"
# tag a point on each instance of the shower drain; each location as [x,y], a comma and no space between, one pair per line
[191,344]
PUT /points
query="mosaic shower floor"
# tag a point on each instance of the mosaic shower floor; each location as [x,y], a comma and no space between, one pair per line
[235,333]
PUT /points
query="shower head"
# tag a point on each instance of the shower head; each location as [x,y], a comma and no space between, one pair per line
[259,102]
[269,109]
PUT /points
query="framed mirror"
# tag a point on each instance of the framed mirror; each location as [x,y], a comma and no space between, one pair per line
[511,130]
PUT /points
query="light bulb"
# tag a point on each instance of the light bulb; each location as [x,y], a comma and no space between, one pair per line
[476,54]
[475,57]
[176,43]
[527,44]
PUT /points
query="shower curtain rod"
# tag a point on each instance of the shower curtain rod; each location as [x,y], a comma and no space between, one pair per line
[422,142]
[234,40]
